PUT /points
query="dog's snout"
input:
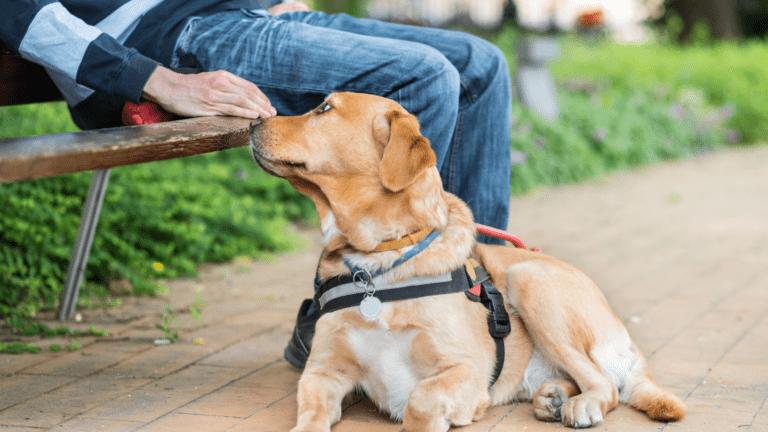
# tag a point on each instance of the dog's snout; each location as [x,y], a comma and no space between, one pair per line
[256,123]
[254,135]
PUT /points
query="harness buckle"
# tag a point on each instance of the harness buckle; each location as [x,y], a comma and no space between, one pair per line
[498,318]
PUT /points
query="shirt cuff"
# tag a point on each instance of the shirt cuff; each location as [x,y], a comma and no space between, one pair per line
[134,76]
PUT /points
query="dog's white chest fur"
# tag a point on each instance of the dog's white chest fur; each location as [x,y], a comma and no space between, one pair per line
[386,357]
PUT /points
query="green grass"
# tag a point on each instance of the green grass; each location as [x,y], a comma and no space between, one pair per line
[724,72]
[623,106]
[36,119]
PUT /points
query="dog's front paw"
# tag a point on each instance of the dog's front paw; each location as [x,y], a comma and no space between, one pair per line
[581,412]
[548,402]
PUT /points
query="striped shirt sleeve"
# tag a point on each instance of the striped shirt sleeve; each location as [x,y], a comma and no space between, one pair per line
[78,56]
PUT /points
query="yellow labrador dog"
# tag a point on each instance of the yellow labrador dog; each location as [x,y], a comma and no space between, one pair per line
[429,360]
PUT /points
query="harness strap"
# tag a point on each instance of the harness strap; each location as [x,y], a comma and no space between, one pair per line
[341,292]
[499,327]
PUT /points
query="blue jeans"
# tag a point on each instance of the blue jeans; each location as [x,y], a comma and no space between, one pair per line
[457,85]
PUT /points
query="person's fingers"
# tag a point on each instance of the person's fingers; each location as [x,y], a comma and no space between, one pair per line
[300,5]
[231,89]
[289,7]
[236,111]
[241,102]
[207,93]
[229,82]
[252,92]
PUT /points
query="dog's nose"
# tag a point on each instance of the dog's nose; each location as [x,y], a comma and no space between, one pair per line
[254,128]
[256,123]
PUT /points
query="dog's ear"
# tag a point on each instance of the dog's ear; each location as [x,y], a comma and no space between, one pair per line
[406,153]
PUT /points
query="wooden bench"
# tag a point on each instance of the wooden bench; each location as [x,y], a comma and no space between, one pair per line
[100,150]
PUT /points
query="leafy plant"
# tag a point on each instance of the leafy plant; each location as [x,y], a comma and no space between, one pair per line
[18,348]
[26,328]
[74,346]
[211,208]
[170,326]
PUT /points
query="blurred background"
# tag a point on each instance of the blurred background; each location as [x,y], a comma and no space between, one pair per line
[602,86]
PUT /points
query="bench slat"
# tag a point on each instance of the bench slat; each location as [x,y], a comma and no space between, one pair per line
[50,155]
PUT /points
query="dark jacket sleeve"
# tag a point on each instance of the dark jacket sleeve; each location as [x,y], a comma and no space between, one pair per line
[76,55]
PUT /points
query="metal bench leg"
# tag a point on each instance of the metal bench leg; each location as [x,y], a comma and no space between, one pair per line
[82,249]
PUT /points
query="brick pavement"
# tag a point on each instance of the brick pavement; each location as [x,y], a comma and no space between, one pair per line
[680,250]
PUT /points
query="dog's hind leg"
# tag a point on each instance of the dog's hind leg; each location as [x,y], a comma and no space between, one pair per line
[456,396]
[598,394]
[567,317]
[550,397]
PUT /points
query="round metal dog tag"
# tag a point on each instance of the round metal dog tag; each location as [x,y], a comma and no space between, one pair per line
[370,307]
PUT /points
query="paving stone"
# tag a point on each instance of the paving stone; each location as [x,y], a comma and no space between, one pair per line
[278,417]
[224,335]
[492,416]
[19,429]
[89,360]
[626,418]
[186,422]
[162,396]
[365,416]
[725,400]
[94,425]
[161,360]
[743,375]
[235,401]
[19,388]
[142,405]
[521,418]
[12,363]
[67,401]
[197,379]
[712,422]
[279,375]
[251,353]
[760,422]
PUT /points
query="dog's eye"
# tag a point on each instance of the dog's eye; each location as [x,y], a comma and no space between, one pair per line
[324,107]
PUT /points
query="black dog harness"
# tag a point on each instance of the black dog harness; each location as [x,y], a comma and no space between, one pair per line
[346,291]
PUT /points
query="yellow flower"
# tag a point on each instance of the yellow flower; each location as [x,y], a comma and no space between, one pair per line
[158,266]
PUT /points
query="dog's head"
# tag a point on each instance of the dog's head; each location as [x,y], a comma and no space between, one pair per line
[363,162]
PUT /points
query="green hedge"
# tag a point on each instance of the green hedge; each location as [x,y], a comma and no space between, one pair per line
[178,213]
[723,72]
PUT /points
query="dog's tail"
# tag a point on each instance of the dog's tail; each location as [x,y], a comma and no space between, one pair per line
[659,403]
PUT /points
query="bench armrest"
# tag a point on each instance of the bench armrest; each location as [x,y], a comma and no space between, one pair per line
[51,155]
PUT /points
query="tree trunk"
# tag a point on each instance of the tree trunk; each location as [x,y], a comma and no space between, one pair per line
[721,16]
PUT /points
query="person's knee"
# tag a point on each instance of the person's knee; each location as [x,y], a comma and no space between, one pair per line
[489,68]
[435,70]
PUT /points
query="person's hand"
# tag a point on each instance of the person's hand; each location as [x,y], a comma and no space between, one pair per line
[206,94]
[288,7]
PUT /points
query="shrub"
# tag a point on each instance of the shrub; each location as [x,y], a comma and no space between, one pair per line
[181,212]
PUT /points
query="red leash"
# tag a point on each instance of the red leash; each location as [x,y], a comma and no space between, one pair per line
[503,235]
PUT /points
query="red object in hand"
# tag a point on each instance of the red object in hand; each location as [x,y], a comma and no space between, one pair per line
[144,113]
